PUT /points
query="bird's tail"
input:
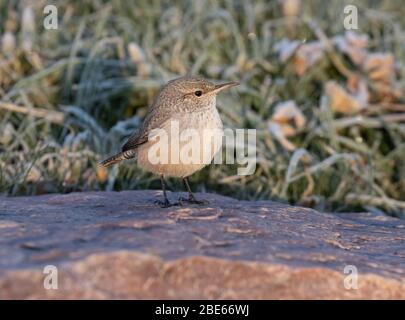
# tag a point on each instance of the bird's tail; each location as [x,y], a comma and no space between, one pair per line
[129,154]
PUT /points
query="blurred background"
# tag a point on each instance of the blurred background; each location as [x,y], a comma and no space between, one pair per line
[327,102]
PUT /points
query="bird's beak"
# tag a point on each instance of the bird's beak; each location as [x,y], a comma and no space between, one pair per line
[223,86]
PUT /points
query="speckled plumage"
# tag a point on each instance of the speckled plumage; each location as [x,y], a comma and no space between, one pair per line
[176,97]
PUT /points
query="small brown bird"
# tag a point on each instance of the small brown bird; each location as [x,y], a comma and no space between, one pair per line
[186,103]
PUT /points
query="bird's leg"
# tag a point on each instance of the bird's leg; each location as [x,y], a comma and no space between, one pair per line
[191,198]
[165,203]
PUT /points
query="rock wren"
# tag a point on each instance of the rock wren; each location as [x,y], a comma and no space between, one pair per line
[190,103]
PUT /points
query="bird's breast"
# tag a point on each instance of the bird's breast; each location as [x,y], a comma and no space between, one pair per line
[201,130]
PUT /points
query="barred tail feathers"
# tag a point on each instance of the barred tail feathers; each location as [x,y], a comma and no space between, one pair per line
[129,154]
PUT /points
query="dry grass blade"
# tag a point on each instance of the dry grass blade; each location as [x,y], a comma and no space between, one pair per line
[49,115]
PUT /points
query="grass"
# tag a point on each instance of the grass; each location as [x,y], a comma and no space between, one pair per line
[71,96]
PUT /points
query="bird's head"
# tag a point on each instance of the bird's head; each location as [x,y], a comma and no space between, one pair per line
[194,93]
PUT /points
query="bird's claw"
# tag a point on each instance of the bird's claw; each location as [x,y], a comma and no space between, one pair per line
[192,200]
[166,203]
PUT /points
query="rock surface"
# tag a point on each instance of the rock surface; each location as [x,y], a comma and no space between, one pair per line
[121,245]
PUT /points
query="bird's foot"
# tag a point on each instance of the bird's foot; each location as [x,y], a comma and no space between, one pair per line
[166,203]
[192,200]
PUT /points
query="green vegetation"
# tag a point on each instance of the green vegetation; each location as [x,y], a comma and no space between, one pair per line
[69,97]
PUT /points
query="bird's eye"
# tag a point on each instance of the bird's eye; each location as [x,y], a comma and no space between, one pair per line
[198,93]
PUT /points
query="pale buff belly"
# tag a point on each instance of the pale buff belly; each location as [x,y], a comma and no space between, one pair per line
[186,150]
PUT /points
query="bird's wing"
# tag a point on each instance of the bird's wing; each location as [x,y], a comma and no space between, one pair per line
[134,141]
[139,137]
